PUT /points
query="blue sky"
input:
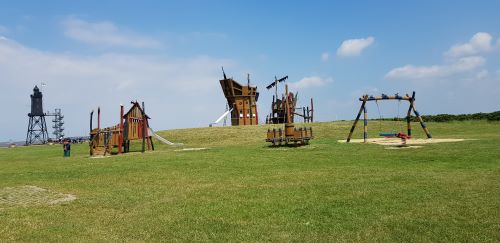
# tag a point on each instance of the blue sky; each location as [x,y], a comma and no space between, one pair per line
[169,54]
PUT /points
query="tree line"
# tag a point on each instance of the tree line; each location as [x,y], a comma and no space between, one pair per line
[492,116]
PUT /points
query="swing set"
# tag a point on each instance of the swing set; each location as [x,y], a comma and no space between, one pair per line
[411,99]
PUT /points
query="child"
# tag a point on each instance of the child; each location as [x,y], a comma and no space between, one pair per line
[67,147]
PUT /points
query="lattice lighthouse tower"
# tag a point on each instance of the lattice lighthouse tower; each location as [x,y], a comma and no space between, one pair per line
[37,128]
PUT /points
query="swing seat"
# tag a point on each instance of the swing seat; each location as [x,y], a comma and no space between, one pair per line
[403,136]
[388,135]
[395,135]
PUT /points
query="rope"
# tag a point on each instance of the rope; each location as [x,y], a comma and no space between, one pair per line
[398,121]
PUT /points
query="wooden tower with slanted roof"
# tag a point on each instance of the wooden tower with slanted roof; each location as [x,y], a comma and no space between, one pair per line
[133,125]
[242,100]
[136,127]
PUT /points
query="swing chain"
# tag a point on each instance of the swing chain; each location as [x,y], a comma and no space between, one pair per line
[380,117]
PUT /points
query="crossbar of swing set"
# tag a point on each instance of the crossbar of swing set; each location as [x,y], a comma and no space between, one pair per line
[387,97]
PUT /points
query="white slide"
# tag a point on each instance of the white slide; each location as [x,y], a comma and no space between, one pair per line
[163,140]
[221,117]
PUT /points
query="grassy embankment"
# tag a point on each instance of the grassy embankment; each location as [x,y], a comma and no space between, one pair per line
[241,190]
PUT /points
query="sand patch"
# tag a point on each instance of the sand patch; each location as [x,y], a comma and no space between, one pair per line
[99,156]
[403,147]
[397,141]
[26,196]
[190,149]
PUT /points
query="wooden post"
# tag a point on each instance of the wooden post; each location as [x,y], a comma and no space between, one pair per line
[422,123]
[272,109]
[276,86]
[361,109]
[408,119]
[244,113]
[287,106]
[283,107]
[289,127]
[90,134]
[98,118]
[91,115]
[408,115]
[143,128]
[150,139]
[256,115]
[312,111]
[235,115]
[304,113]
[365,125]
[120,136]
[250,108]
[249,99]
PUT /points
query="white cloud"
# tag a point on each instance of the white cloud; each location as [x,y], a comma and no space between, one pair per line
[309,82]
[354,47]
[479,43]
[483,74]
[463,74]
[78,84]
[325,56]
[105,33]
[464,64]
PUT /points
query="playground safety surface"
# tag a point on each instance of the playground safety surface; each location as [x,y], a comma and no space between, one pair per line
[397,141]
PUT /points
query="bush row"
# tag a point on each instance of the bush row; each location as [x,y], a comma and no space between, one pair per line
[492,116]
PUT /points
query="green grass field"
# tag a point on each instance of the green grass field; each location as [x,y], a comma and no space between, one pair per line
[238,189]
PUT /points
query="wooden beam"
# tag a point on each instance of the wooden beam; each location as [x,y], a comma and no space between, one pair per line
[385,97]
[422,123]
[408,115]
[365,124]
[120,138]
[143,128]
[312,111]
[361,109]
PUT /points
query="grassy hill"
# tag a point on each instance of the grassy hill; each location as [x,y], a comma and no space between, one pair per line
[239,189]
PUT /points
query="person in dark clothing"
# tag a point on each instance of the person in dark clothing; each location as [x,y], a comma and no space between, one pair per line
[67,147]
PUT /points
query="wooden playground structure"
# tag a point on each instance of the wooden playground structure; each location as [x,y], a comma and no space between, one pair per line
[133,125]
[278,113]
[290,134]
[411,99]
[241,100]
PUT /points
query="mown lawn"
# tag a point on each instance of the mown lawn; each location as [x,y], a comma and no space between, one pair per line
[238,189]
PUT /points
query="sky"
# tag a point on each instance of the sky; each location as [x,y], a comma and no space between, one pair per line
[169,54]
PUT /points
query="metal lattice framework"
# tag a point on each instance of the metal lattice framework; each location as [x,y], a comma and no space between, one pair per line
[37,127]
[37,130]
[58,124]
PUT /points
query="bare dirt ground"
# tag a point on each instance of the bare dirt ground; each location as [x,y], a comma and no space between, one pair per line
[26,196]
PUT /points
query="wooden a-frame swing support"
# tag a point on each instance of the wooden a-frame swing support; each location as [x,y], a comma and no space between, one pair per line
[365,98]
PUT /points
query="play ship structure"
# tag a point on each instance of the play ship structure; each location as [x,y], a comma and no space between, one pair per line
[290,135]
